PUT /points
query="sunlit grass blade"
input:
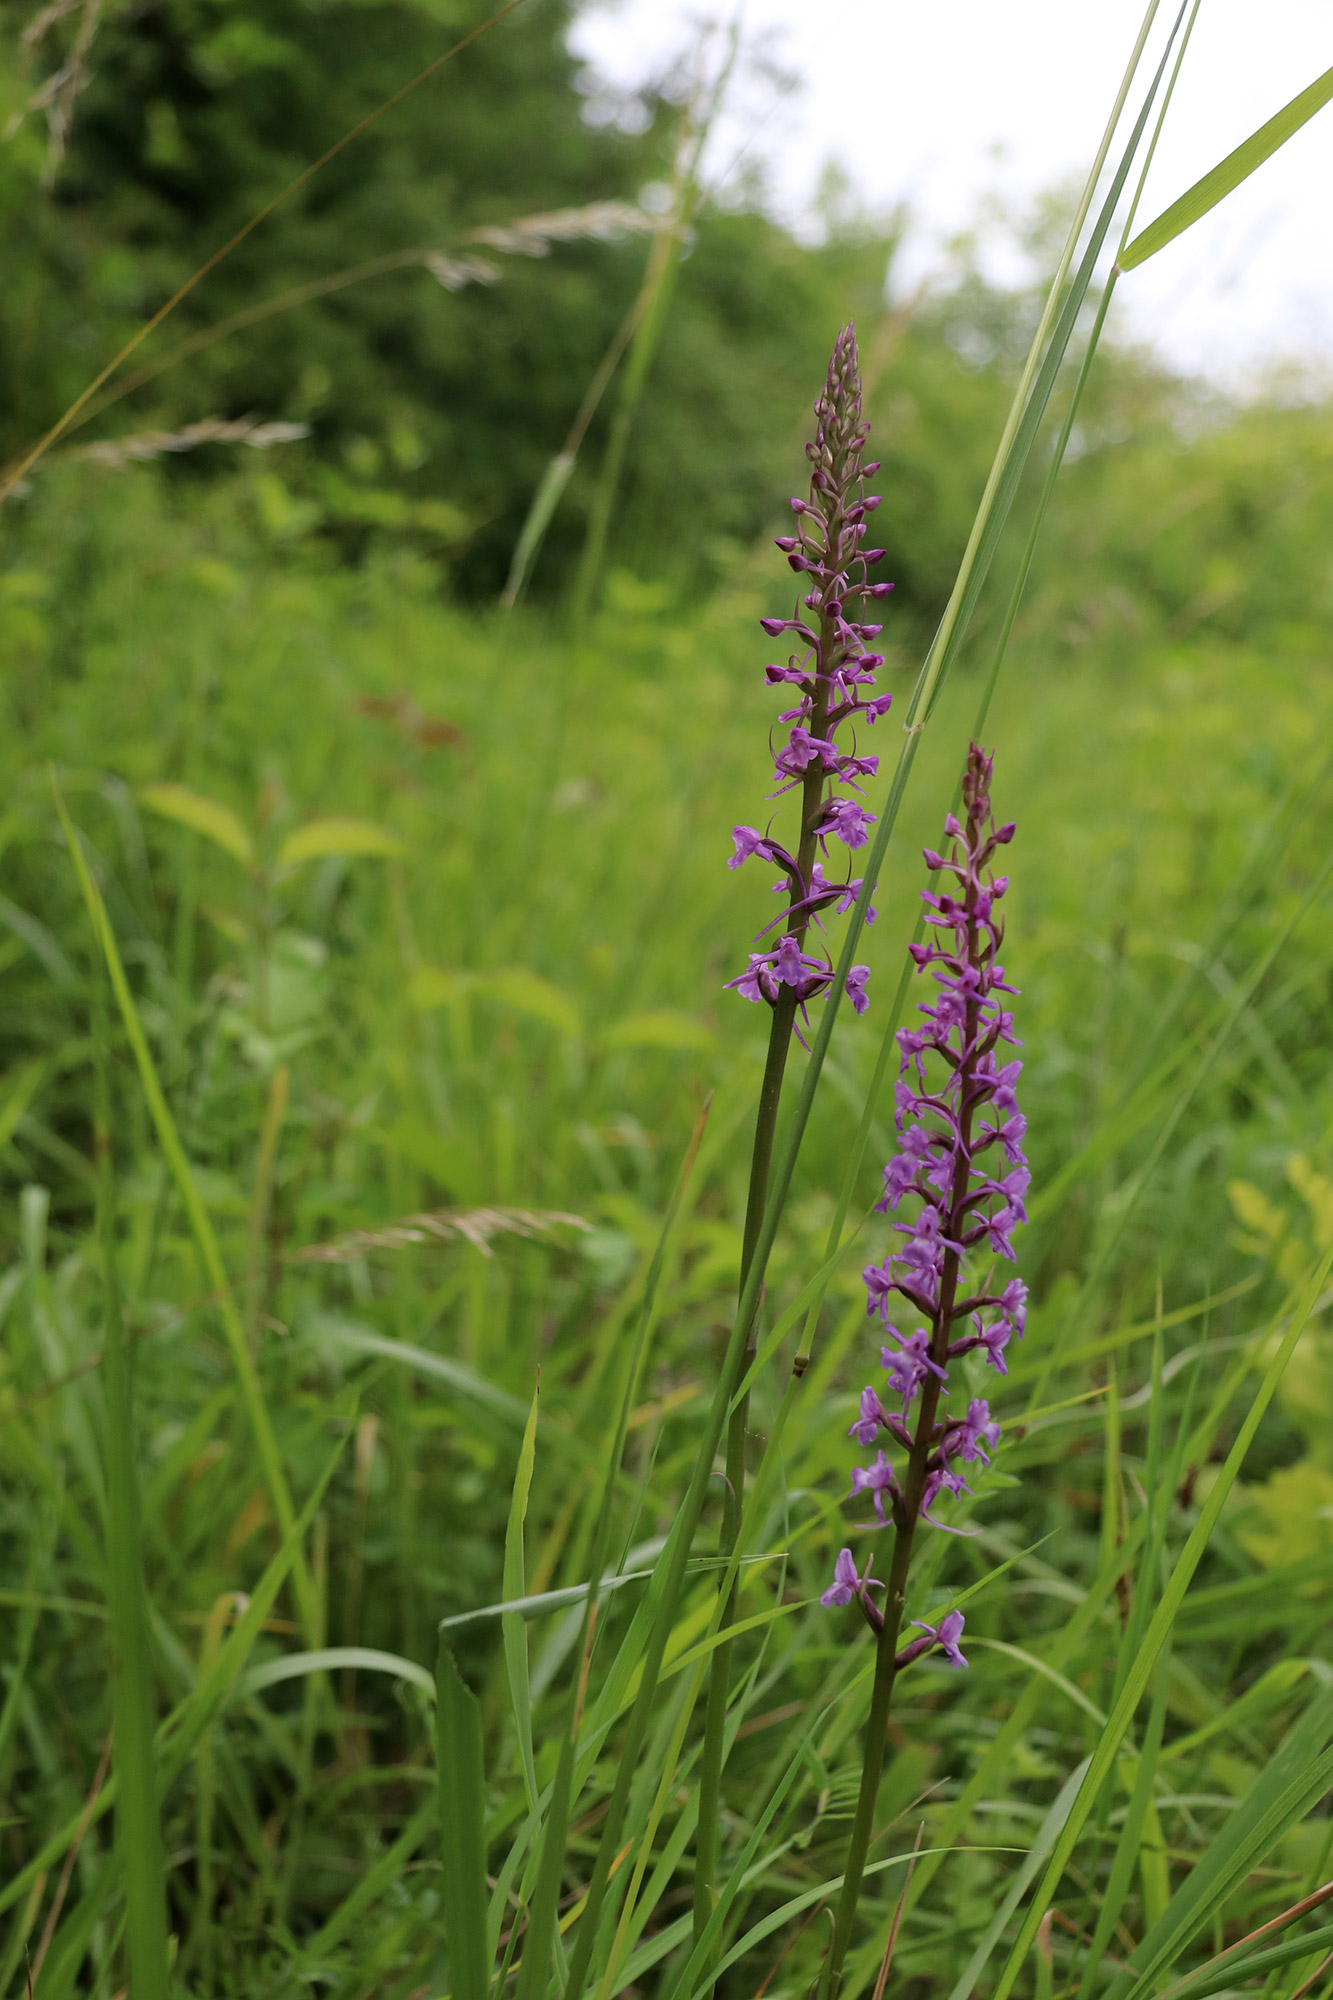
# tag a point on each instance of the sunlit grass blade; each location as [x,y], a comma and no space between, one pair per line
[1228,174]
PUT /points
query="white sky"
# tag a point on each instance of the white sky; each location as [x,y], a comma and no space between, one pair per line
[914,97]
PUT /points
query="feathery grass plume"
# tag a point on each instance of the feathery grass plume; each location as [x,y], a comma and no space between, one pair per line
[961,1166]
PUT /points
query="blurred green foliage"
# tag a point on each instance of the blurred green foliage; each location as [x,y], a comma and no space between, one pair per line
[183,119]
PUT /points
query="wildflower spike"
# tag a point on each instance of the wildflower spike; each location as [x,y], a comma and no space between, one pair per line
[960,1177]
[832,669]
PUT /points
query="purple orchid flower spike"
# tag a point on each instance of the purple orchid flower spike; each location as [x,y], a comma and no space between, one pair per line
[957,1181]
[833,669]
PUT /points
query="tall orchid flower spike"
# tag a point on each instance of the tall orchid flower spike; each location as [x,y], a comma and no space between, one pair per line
[958,1180]
[828,679]
[832,671]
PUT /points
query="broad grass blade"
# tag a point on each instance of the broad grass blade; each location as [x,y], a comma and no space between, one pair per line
[138,1827]
[1228,174]
[512,1625]
[462,1828]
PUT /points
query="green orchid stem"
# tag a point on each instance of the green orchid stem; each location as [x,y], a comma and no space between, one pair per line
[761,1161]
[715,1721]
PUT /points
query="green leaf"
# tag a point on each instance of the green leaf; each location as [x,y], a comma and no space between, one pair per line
[210,817]
[462,1829]
[512,1623]
[1227,174]
[665,1029]
[321,837]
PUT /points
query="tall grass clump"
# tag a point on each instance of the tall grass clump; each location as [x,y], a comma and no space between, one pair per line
[435,1318]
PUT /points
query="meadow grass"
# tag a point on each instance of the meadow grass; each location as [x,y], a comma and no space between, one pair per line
[1174,815]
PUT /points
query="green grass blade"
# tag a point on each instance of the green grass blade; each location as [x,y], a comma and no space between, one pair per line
[332,1659]
[252,1393]
[513,1627]
[1159,1629]
[1225,1974]
[537,520]
[178,1734]
[182,1730]
[1041,1847]
[541,1932]
[462,1828]
[1228,174]
[138,1826]
[1034,390]
[1295,1778]
[386,1873]
[1128,1846]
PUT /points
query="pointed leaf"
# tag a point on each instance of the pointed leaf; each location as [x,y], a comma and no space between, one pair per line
[210,817]
[512,1623]
[1227,174]
[321,837]
[462,1829]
